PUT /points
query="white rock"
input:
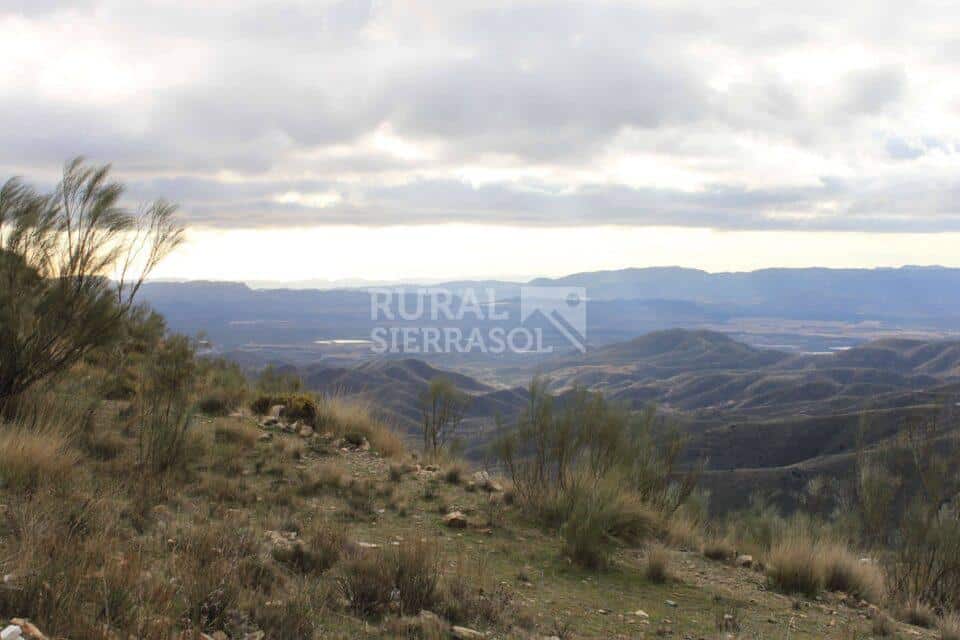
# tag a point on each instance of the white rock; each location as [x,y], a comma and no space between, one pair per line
[463,633]
[11,632]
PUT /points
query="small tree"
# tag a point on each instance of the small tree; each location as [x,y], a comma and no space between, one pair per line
[166,403]
[58,253]
[442,407]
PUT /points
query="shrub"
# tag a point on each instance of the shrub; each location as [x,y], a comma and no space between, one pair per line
[236,433]
[225,387]
[467,598]
[595,514]
[442,408]
[949,627]
[206,563]
[56,305]
[918,614]
[843,571]
[454,474]
[35,458]
[104,446]
[322,477]
[417,566]
[793,566]
[301,407]
[52,544]
[719,549]
[215,403]
[342,417]
[325,543]
[881,625]
[366,581]
[294,616]
[262,403]
[658,564]
[166,404]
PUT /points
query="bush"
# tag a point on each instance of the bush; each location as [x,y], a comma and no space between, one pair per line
[366,581]
[595,515]
[657,568]
[236,434]
[454,474]
[225,387]
[793,566]
[918,614]
[53,543]
[417,575]
[354,418]
[719,549]
[262,403]
[326,542]
[32,459]
[166,404]
[467,598]
[215,403]
[881,625]
[843,571]
[949,627]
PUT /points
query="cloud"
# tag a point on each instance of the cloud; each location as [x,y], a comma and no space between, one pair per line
[529,112]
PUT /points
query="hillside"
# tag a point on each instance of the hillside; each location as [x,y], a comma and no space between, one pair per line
[236,533]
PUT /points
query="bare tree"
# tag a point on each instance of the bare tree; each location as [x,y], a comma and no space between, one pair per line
[442,407]
[71,265]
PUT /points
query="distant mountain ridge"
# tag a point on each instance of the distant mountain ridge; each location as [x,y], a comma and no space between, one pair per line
[622,305]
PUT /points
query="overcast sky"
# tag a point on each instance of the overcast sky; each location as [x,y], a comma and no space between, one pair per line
[377,138]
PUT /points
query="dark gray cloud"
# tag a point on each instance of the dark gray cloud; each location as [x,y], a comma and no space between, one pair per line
[565,113]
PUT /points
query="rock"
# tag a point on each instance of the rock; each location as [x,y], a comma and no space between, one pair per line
[265,437]
[11,632]
[368,545]
[744,561]
[29,628]
[670,603]
[306,431]
[463,633]
[275,411]
[455,520]
[485,482]
[270,423]
[640,613]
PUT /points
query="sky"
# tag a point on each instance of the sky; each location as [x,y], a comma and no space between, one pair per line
[379,139]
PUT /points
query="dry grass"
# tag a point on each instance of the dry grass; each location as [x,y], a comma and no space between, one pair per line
[417,574]
[657,566]
[321,546]
[793,566]
[918,614]
[881,625]
[470,596]
[32,459]
[682,532]
[342,417]
[454,473]
[949,627]
[719,549]
[366,581]
[236,433]
[843,571]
